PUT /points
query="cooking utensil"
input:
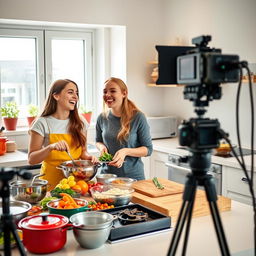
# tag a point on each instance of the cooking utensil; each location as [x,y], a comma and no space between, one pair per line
[91,229]
[53,204]
[118,196]
[18,209]
[44,233]
[23,191]
[86,170]
[72,159]
[34,178]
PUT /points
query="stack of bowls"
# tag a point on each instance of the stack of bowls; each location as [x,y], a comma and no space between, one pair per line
[91,229]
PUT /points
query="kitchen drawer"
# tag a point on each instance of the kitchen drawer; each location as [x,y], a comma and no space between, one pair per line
[235,185]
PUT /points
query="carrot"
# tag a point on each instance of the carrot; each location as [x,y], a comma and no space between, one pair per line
[70,198]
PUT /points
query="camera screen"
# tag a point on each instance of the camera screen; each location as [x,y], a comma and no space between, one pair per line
[187,67]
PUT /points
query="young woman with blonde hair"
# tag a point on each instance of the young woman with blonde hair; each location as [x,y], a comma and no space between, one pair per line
[58,129]
[122,130]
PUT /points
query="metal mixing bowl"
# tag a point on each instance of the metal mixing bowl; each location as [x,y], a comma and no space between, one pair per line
[23,191]
[18,209]
[91,229]
[86,170]
[120,181]
[116,195]
[103,178]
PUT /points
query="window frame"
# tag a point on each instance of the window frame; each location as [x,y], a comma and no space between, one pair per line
[42,34]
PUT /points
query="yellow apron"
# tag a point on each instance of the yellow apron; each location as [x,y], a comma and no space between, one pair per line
[55,158]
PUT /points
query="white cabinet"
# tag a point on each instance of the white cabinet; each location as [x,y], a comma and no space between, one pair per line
[146,162]
[157,164]
[235,186]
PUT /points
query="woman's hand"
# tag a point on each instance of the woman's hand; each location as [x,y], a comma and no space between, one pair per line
[60,146]
[118,158]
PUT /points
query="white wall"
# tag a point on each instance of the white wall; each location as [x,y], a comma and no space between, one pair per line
[232,25]
[143,20]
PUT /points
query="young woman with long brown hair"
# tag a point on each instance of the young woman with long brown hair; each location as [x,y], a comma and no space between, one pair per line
[122,130]
[58,129]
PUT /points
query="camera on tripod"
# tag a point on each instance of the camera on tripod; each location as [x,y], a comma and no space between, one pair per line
[199,133]
[200,68]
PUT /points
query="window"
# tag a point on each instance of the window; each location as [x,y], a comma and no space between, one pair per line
[31,59]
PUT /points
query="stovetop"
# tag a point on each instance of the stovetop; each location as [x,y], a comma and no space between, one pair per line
[154,222]
[245,152]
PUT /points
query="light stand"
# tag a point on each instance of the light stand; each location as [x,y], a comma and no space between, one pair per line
[7,224]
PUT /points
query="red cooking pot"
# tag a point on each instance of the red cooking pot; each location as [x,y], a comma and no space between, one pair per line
[3,145]
[44,233]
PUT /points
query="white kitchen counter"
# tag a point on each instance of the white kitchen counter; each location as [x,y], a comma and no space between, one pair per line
[18,158]
[170,146]
[237,223]
[14,159]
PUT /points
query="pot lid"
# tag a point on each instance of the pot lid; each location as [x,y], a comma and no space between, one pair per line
[44,222]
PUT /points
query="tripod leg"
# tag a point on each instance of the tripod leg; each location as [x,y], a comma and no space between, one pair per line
[186,210]
[178,229]
[17,239]
[212,199]
[188,225]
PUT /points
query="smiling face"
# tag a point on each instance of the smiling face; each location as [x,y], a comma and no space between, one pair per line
[67,98]
[113,95]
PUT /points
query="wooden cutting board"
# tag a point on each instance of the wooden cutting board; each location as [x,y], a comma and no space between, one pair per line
[170,205]
[147,187]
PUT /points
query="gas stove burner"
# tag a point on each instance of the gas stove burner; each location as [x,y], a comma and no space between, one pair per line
[129,216]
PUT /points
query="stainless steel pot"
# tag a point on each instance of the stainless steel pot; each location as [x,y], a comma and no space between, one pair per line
[23,191]
[18,209]
[86,170]
[91,229]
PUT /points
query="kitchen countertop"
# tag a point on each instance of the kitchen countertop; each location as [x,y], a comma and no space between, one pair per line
[170,146]
[19,158]
[237,223]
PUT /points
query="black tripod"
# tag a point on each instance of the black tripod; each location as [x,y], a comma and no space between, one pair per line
[7,224]
[199,163]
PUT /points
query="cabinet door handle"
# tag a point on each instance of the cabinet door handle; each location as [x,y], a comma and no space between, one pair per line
[244,179]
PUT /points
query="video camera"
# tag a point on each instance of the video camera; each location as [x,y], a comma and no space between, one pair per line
[201,69]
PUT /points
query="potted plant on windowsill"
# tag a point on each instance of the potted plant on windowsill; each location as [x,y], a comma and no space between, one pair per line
[32,113]
[87,114]
[10,114]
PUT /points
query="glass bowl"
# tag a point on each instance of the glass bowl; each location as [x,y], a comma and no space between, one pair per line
[118,196]
[120,181]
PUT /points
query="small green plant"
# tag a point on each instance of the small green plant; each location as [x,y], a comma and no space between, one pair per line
[10,110]
[82,109]
[32,110]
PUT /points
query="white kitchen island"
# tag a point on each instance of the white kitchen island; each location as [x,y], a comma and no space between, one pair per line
[237,223]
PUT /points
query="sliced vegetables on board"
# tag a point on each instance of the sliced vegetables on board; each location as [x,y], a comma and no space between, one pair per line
[157,183]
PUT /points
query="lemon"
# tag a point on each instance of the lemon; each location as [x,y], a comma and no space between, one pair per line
[71,183]
[70,178]
[64,181]
[65,186]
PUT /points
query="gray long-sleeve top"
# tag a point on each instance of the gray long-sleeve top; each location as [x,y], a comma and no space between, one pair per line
[106,132]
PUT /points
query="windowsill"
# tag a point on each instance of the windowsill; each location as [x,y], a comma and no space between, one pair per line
[24,130]
[18,131]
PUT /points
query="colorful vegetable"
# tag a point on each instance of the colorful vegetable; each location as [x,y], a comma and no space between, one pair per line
[157,183]
[106,157]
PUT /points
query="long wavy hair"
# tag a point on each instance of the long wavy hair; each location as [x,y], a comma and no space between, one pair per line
[128,110]
[76,125]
